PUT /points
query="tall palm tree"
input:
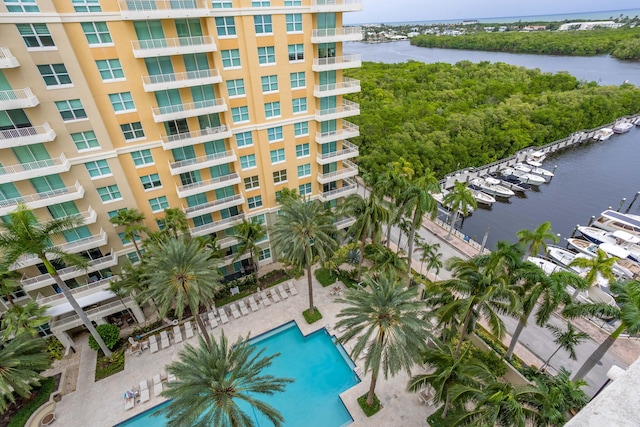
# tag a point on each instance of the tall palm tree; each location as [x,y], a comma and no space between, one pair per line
[627,313]
[388,188]
[25,318]
[430,254]
[213,378]
[304,231]
[460,199]
[133,222]
[174,222]
[25,235]
[385,259]
[249,234]
[180,273]
[600,265]
[567,340]
[536,241]
[21,361]
[387,321]
[9,284]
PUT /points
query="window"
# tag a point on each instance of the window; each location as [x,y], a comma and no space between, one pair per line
[296,52]
[98,168]
[269,83]
[235,87]
[275,134]
[244,139]
[298,80]
[301,129]
[122,102]
[132,131]
[230,58]
[159,204]
[35,35]
[115,213]
[294,22]
[254,202]
[71,110]
[109,193]
[248,162]
[85,140]
[110,69]
[264,254]
[97,33]
[277,156]
[86,5]
[251,183]
[267,55]
[240,114]
[293,2]
[272,109]
[299,105]
[221,4]
[304,189]
[260,3]
[302,150]
[263,24]
[280,176]
[226,26]
[21,6]
[304,170]
[142,157]
[151,181]
[54,74]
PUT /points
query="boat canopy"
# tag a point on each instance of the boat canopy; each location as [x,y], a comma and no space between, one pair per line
[620,217]
[614,250]
[626,237]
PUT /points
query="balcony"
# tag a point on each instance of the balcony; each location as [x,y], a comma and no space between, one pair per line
[79,292]
[40,200]
[347,85]
[202,162]
[348,151]
[344,223]
[7,60]
[349,130]
[185,139]
[176,46]
[94,314]
[229,259]
[22,171]
[216,205]
[18,98]
[212,227]
[227,242]
[192,109]
[347,109]
[348,170]
[33,283]
[207,185]
[162,9]
[325,6]
[336,63]
[334,35]
[348,187]
[180,80]
[25,136]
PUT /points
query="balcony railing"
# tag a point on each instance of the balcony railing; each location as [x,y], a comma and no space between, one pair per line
[337,63]
[216,205]
[17,98]
[100,312]
[212,227]
[336,5]
[207,185]
[174,46]
[162,9]
[349,187]
[191,109]
[13,173]
[348,170]
[185,139]
[24,136]
[332,35]
[7,60]
[227,242]
[347,109]
[344,223]
[348,151]
[232,258]
[47,198]
[180,80]
[347,85]
[202,162]
[84,290]
[349,130]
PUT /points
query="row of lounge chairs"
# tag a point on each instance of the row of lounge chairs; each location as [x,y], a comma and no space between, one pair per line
[142,394]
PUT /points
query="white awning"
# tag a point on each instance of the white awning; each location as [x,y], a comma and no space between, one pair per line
[85,301]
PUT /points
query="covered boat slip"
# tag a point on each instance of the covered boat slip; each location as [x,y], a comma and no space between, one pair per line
[614,220]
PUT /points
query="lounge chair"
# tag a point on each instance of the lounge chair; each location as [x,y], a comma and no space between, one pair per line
[359,372]
[292,288]
[164,340]
[265,299]
[171,378]
[253,304]
[188,330]
[234,311]
[425,397]
[129,403]
[153,344]
[282,292]
[223,316]
[274,295]
[212,320]
[243,308]
[157,385]
[177,334]
[144,391]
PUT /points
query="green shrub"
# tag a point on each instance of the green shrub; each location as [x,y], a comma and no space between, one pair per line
[106,367]
[312,318]
[324,276]
[54,348]
[500,348]
[110,335]
[495,364]
[43,393]
[369,410]
[435,419]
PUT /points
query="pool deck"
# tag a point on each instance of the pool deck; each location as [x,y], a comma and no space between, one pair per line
[102,403]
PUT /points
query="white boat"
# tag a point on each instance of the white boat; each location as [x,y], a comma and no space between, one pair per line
[620,238]
[611,220]
[527,178]
[590,248]
[622,127]
[492,186]
[603,134]
[439,197]
[628,268]
[533,169]
[561,255]
[546,265]
[536,158]
[483,198]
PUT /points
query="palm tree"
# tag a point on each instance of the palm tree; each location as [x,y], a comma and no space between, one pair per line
[627,312]
[563,395]
[601,264]
[536,241]
[460,199]
[174,222]
[121,289]
[431,255]
[567,340]
[25,318]
[304,231]
[213,378]
[133,222]
[390,185]
[21,361]
[180,272]
[9,284]
[387,323]
[249,234]
[385,259]
[25,235]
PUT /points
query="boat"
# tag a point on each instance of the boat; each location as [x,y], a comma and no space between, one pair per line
[439,197]
[611,220]
[622,127]
[512,183]
[533,169]
[536,158]
[628,268]
[602,134]
[590,248]
[527,178]
[620,238]
[483,198]
[546,265]
[561,255]
[492,187]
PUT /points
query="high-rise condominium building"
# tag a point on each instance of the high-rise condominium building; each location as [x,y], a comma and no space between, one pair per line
[208,106]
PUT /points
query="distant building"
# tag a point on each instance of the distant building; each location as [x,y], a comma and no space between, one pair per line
[489,29]
[470,22]
[413,34]
[589,25]
[534,28]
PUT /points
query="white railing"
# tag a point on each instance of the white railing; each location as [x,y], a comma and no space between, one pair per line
[44,131]
[99,285]
[216,225]
[189,109]
[338,61]
[336,5]
[202,159]
[66,273]
[152,5]
[346,84]
[348,130]
[174,45]
[34,166]
[196,208]
[345,222]
[346,33]
[20,97]
[102,310]
[347,107]
[186,78]
[85,243]
[350,186]
[348,168]
[7,60]
[196,134]
[347,149]
[207,182]
[47,195]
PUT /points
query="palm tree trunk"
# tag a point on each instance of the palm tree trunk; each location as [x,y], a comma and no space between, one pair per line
[256,266]
[372,388]
[516,335]
[389,226]
[598,354]
[454,218]
[549,359]
[202,327]
[361,260]
[412,233]
[135,245]
[310,285]
[447,404]
[463,331]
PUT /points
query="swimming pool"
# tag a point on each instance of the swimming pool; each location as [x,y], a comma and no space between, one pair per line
[321,369]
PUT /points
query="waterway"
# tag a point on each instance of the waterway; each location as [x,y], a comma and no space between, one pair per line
[589,178]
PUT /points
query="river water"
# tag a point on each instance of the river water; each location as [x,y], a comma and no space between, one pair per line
[589,178]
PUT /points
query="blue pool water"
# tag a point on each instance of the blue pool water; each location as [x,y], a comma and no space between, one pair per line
[321,371]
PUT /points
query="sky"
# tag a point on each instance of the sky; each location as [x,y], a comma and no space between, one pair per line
[383,11]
